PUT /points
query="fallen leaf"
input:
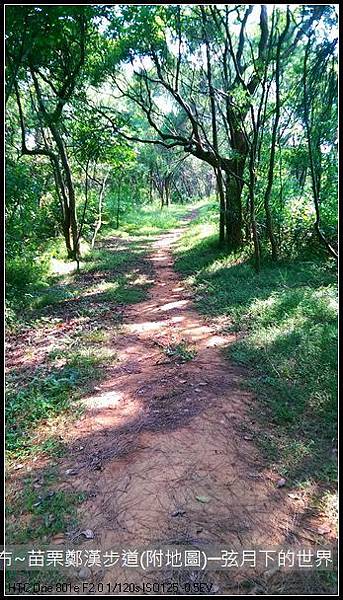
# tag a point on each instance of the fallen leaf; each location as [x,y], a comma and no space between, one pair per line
[178,513]
[88,533]
[281,483]
[71,472]
[203,499]
[324,529]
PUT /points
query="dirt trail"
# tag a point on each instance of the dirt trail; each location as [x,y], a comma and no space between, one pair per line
[161,449]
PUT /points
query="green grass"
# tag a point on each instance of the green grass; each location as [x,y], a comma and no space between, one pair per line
[114,274]
[39,512]
[286,321]
[41,399]
[152,220]
[50,297]
[125,290]
[44,397]
[33,281]
[107,260]
[51,513]
[71,370]
[182,351]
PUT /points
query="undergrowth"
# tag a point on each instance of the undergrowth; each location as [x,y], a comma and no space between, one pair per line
[285,319]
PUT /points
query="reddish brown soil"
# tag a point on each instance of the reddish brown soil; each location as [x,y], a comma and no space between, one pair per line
[160,433]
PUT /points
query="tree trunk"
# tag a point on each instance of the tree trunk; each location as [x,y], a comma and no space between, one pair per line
[315,168]
[68,190]
[267,195]
[71,193]
[256,241]
[150,185]
[118,208]
[99,222]
[221,195]
[233,213]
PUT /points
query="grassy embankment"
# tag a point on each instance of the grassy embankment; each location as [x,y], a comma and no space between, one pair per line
[285,318]
[65,323]
[286,324]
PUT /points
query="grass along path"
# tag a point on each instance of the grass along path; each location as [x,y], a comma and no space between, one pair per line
[160,449]
[282,327]
[60,343]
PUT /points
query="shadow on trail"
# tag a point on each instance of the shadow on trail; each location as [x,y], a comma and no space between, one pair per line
[163,451]
[287,331]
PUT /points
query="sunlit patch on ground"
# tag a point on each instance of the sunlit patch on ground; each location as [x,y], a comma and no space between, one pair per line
[172,305]
[105,400]
[160,446]
[61,267]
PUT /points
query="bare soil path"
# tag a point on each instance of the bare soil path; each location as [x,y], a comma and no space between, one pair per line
[162,449]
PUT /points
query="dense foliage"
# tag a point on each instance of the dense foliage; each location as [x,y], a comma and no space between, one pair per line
[110,108]
[123,123]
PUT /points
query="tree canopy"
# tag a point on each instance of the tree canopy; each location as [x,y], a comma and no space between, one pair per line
[177,102]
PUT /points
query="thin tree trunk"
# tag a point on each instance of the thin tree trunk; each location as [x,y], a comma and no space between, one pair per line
[217,170]
[71,208]
[150,186]
[255,237]
[315,174]
[221,195]
[269,219]
[85,204]
[233,213]
[99,222]
[71,192]
[252,183]
[118,207]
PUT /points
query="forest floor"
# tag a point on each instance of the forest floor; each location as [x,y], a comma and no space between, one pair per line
[161,451]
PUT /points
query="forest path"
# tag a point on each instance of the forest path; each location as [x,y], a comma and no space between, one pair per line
[165,454]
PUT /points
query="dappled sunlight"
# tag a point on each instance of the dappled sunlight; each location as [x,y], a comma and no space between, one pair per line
[147,326]
[61,267]
[111,409]
[206,229]
[273,334]
[105,400]
[179,288]
[99,288]
[142,280]
[159,432]
[216,340]
[159,259]
[172,305]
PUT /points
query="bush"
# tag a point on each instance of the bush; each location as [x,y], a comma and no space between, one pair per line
[24,272]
